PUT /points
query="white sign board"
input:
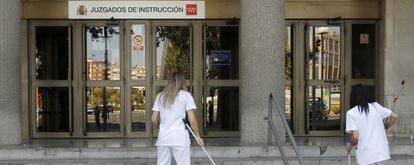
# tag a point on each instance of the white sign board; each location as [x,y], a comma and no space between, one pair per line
[136,9]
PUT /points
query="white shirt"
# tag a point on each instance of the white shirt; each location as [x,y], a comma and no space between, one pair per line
[172,129]
[372,143]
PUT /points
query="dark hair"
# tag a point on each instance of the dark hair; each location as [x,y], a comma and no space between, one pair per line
[360,97]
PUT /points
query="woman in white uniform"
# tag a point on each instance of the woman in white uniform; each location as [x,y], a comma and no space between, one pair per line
[170,107]
[365,124]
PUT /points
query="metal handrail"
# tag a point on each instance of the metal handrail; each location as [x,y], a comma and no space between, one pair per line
[272,129]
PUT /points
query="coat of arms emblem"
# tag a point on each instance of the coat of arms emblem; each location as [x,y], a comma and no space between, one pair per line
[82,10]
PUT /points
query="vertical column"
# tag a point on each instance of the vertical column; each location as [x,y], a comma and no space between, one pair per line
[10,92]
[397,42]
[261,66]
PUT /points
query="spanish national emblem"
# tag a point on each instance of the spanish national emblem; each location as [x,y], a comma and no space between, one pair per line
[82,10]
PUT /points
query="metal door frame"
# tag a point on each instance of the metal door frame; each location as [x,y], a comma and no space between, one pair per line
[159,83]
[300,74]
[104,83]
[129,83]
[378,61]
[69,83]
[215,83]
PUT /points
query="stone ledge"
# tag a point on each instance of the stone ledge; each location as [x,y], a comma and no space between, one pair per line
[21,153]
[400,160]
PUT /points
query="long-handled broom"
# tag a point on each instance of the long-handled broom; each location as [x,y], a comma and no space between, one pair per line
[202,146]
[348,141]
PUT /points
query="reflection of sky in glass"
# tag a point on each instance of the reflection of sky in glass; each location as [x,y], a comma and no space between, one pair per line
[335,29]
[328,29]
[289,29]
[138,57]
[311,30]
[288,46]
[96,48]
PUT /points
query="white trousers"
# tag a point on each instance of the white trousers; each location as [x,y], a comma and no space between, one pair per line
[181,155]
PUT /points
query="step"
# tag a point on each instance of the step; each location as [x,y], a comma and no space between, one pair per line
[395,160]
[223,150]
[401,154]
[33,153]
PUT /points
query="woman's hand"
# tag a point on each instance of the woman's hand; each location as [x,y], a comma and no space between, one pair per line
[200,141]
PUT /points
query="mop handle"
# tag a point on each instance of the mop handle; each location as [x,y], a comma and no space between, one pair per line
[395,96]
[195,137]
[348,142]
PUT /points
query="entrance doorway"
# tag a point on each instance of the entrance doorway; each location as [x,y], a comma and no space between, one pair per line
[320,63]
[323,78]
[221,80]
[104,77]
[98,79]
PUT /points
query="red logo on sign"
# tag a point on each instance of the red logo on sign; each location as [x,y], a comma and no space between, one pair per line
[191,9]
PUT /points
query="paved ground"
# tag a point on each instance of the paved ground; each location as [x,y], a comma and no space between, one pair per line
[225,151]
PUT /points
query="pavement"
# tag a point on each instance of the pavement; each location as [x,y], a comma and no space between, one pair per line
[225,151]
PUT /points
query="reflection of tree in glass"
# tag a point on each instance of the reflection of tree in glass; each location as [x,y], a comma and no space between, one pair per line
[138,99]
[177,47]
[97,96]
[213,37]
[213,43]
[99,32]
[288,65]
[111,97]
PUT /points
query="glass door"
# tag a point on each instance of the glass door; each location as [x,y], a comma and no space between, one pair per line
[221,80]
[363,66]
[172,44]
[137,79]
[103,115]
[51,75]
[322,66]
[290,58]
[324,89]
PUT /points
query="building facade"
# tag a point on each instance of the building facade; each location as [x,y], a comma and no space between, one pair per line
[98,78]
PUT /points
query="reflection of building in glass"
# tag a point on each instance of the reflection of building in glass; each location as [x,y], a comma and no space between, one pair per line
[38,99]
[325,64]
[329,65]
[328,62]
[96,70]
[138,72]
[288,73]
[114,72]
[159,71]
[288,97]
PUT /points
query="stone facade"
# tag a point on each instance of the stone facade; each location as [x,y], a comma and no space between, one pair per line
[398,48]
[10,80]
[261,65]
[261,62]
